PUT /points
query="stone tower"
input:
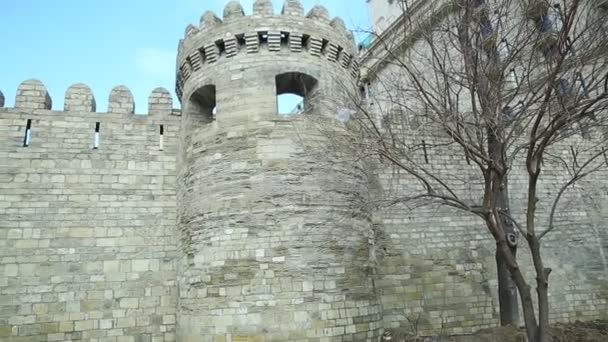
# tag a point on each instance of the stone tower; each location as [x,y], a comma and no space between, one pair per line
[274,246]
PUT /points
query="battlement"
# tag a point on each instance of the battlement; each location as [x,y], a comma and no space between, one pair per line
[32,95]
[218,40]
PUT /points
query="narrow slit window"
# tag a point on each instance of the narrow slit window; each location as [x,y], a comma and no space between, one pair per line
[426,156]
[305,40]
[263,38]
[161,142]
[241,42]
[284,38]
[27,137]
[221,47]
[324,45]
[96,137]
[339,53]
[203,56]
[512,78]
[362,92]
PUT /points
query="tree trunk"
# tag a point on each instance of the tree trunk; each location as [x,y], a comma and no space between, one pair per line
[542,290]
[507,294]
[507,291]
[532,328]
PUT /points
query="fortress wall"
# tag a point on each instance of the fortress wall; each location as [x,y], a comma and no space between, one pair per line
[87,240]
[441,262]
[438,263]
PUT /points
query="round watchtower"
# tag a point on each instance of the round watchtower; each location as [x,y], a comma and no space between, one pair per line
[275,243]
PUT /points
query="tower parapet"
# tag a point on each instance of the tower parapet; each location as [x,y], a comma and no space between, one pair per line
[242,51]
[32,94]
[160,101]
[273,246]
[32,97]
[79,98]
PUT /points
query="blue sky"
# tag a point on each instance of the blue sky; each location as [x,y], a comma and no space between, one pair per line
[105,43]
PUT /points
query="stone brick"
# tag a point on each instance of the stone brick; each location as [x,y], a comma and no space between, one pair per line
[129,303]
[260,234]
[84,325]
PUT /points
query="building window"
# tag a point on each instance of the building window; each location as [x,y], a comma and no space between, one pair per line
[294,92]
[202,105]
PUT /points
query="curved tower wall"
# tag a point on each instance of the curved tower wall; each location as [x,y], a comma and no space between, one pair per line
[274,243]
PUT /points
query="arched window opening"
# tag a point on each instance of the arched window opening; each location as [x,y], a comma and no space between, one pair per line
[295,92]
[202,106]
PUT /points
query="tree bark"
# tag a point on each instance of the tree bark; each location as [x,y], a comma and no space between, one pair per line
[542,290]
[532,327]
[507,290]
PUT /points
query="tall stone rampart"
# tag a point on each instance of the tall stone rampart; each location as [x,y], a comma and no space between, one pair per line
[87,241]
[273,244]
[229,221]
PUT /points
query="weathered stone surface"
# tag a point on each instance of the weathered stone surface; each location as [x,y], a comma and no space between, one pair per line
[32,94]
[79,98]
[209,20]
[319,13]
[82,230]
[160,102]
[121,101]
[233,10]
[263,236]
[263,8]
[293,7]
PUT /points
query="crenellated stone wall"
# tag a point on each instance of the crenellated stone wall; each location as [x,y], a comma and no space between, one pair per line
[87,244]
[226,221]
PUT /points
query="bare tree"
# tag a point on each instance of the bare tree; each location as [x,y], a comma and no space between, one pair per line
[505,84]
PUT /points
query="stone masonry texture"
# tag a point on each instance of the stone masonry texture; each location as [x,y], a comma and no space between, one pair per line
[222,221]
